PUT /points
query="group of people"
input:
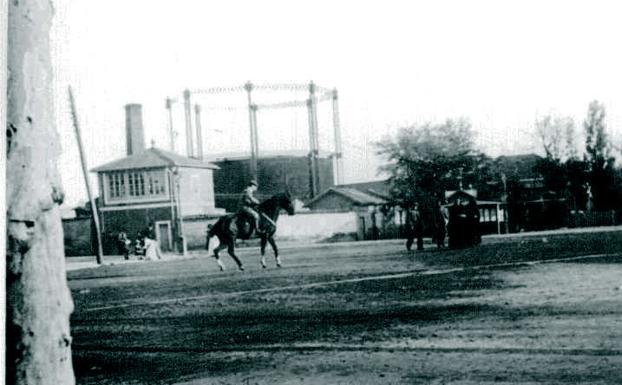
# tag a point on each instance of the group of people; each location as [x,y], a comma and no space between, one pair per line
[463,225]
[145,246]
[459,221]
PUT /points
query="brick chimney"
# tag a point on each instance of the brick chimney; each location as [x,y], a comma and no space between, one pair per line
[135,133]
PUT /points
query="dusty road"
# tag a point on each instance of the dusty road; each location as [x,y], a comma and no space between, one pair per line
[530,310]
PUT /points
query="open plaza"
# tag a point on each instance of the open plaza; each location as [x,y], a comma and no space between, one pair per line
[527,308]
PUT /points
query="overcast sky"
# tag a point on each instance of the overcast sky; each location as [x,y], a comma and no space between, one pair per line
[501,64]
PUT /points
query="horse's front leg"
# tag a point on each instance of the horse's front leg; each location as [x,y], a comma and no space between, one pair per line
[276,251]
[264,241]
[231,250]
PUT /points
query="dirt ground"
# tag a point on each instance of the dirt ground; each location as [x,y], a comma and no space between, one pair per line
[527,310]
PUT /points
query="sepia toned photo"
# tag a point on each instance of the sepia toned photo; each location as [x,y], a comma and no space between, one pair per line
[327,192]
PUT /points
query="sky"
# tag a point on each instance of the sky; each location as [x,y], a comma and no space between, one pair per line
[394,63]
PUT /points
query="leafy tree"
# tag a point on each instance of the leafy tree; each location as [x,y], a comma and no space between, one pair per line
[563,172]
[427,159]
[556,135]
[600,163]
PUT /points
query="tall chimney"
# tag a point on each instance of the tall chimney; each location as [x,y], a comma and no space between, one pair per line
[135,133]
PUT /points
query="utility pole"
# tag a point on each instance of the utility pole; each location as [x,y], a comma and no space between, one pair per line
[85,173]
[197,115]
[252,117]
[171,132]
[182,234]
[338,154]
[188,114]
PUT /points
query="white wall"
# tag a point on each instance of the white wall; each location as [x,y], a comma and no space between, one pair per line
[197,191]
[299,227]
[315,226]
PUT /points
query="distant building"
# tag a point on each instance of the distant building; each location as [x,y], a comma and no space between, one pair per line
[371,203]
[152,187]
[492,214]
[275,172]
[351,197]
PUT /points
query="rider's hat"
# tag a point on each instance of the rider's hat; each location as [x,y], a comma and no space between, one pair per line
[252,182]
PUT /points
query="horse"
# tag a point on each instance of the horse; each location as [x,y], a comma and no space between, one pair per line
[232,226]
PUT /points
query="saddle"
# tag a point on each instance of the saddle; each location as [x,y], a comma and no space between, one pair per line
[245,225]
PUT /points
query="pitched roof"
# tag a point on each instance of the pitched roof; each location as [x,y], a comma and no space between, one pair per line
[355,196]
[378,188]
[153,158]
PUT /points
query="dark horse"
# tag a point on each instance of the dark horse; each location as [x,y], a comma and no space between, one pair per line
[232,226]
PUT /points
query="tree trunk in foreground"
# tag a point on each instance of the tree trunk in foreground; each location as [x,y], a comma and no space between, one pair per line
[38,299]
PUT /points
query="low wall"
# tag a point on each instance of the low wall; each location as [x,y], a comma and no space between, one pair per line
[591,218]
[195,231]
[77,236]
[317,226]
[300,227]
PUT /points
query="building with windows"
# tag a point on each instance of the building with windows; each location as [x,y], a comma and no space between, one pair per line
[492,214]
[152,187]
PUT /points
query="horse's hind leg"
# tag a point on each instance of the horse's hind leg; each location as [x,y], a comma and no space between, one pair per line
[264,241]
[217,250]
[276,251]
[231,251]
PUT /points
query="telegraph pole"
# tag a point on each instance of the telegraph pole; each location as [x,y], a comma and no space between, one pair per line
[85,173]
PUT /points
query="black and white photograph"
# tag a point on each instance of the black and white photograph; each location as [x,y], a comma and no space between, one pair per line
[327,192]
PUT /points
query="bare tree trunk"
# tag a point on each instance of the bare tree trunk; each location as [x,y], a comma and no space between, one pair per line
[38,299]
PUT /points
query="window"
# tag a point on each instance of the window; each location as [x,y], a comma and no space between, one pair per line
[116,185]
[137,183]
[141,185]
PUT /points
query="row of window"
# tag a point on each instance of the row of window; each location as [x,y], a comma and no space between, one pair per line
[136,184]
[490,215]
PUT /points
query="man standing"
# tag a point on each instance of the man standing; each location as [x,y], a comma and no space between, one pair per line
[248,202]
[415,227]
[441,217]
[124,245]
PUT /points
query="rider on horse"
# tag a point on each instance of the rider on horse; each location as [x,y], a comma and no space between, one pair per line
[248,202]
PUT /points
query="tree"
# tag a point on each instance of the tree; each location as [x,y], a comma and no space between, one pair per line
[427,159]
[563,172]
[556,135]
[38,298]
[600,163]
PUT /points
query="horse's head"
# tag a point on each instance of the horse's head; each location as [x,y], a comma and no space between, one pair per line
[286,202]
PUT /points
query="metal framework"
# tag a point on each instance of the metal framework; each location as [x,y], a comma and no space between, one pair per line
[316,94]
